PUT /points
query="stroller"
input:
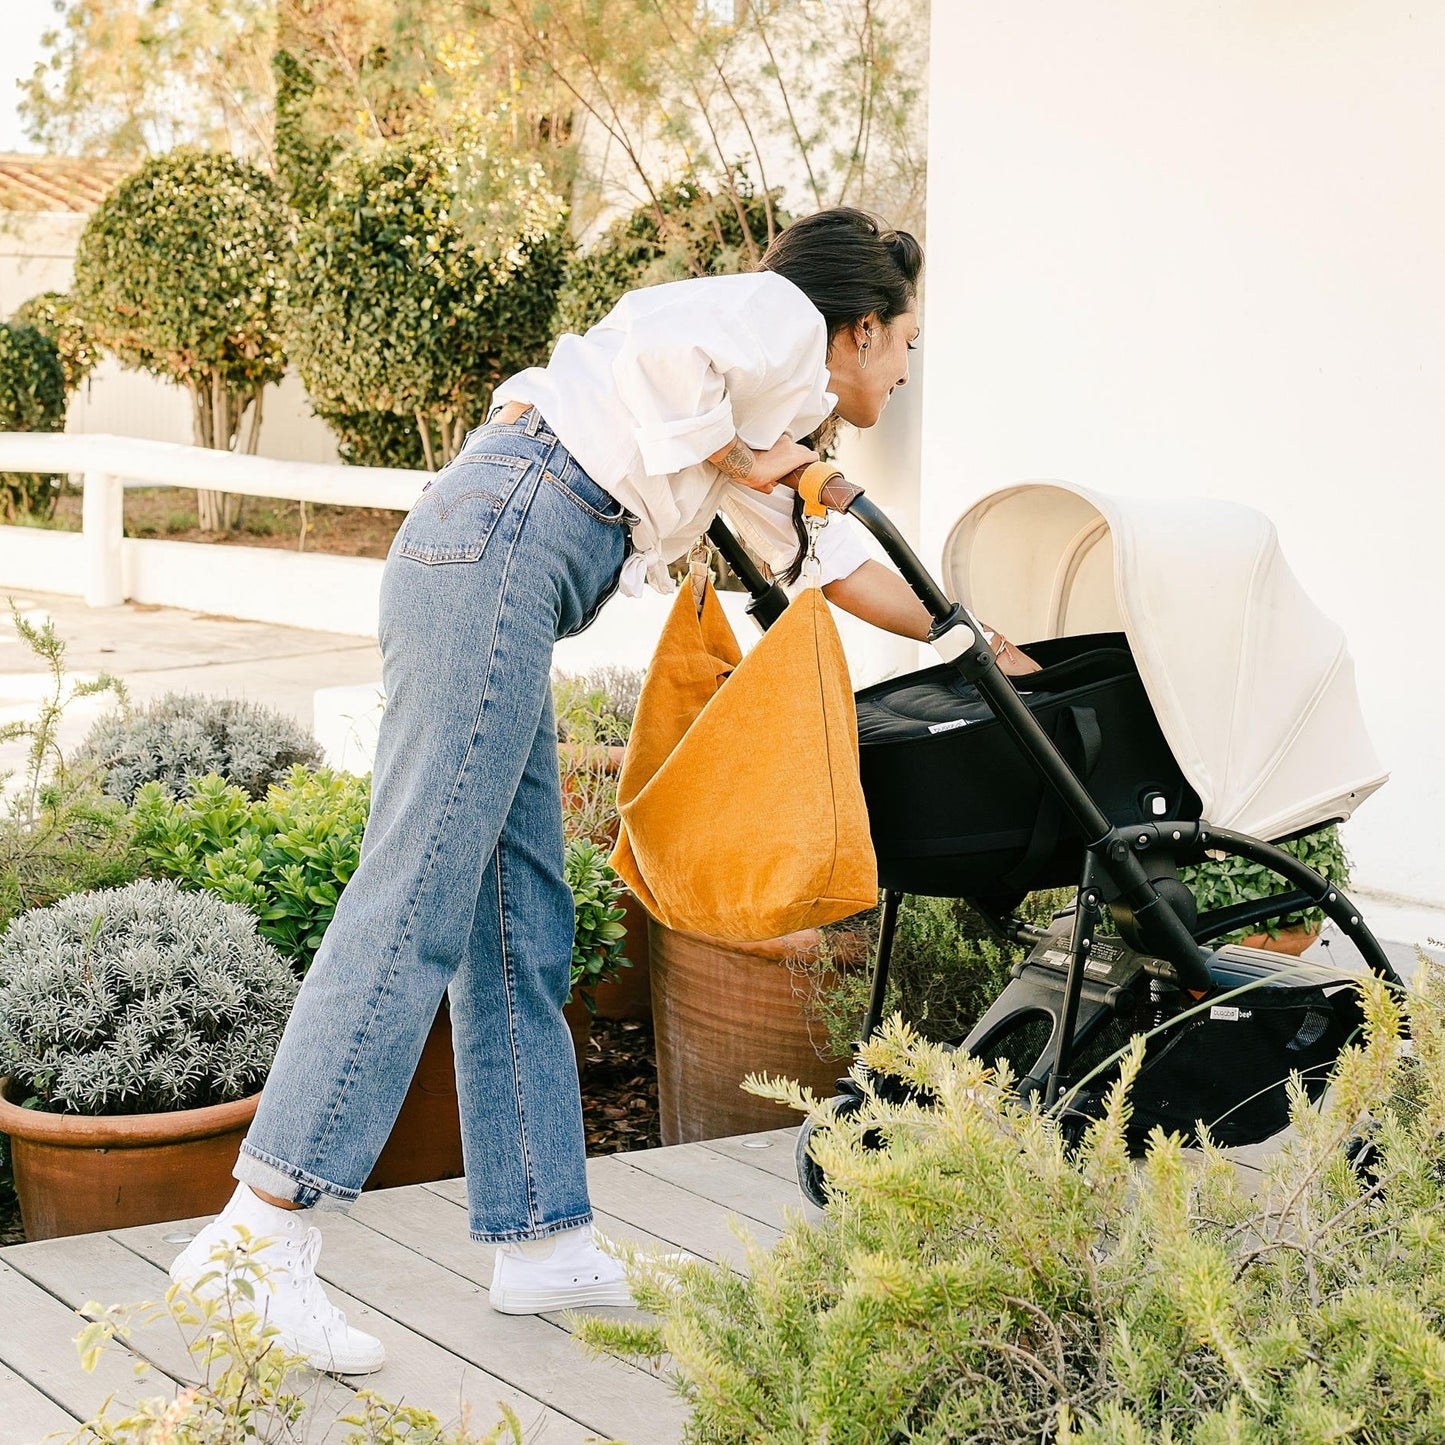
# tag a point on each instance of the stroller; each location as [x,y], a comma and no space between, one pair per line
[1191,701]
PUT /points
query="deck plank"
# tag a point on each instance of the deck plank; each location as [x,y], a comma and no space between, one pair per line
[738,1188]
[417,1371]
[526,1351]
[105,1268]
[38,1344]
[403,1267]
[26,1415]
[682,1218]
[771,1151]
[435,1225]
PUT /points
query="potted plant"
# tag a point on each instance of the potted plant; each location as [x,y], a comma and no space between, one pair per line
[137,1025]
[594,718]
[599,938]
[1224,881]
[794,1006]
[721,1011]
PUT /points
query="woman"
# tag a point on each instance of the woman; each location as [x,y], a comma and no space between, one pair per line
[596,470]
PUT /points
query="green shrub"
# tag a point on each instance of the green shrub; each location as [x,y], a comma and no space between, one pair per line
[699,234]
[600,935]
[946,967]
[32,398]
[56,316]
[428,274]
[596,708]
[246,1389]
[981,1280]
[1221,882]
[184,736]
[286,856]
[60,834]
[376,439]
[137,1000]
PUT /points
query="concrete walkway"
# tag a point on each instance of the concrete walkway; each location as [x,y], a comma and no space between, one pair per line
[155,650]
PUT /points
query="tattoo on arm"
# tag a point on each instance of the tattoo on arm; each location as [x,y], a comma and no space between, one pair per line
[738,461]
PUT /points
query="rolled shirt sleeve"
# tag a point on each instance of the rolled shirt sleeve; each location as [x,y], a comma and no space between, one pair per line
[671,374]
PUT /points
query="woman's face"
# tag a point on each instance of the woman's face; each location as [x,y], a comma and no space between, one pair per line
[865,363]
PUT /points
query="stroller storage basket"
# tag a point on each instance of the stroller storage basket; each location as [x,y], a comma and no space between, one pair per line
[954,806]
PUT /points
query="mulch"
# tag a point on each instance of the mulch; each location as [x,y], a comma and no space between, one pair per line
[619,1100]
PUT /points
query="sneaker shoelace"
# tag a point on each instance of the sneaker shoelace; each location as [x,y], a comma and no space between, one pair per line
[311,1298]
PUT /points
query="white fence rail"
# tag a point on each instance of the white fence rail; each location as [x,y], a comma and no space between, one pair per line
[271,584]
[107,463]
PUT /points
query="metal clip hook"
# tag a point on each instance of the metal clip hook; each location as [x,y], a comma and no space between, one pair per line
[812,567]
[699,568]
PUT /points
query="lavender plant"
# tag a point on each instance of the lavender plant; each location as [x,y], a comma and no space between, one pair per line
[184,736]
[140,999]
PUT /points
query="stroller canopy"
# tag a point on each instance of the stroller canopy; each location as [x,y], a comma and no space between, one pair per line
[1253,687]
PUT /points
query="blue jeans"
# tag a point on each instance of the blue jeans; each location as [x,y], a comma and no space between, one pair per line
[460,888]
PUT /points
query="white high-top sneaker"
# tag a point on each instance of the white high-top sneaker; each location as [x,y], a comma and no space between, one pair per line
[290,1296]
[528,1279]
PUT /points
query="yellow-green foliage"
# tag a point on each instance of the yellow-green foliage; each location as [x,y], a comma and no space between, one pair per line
[979,1281]
[250,1388]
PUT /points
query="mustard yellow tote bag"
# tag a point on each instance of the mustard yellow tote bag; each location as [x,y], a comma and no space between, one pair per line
[742,811]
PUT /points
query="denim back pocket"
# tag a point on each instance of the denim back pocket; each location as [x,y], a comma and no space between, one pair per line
[452,520]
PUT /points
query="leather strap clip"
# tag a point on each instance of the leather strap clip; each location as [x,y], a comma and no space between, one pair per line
[824,488]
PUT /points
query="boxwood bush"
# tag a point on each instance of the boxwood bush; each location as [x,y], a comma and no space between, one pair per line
[698,233]
[32,398]
[285,856]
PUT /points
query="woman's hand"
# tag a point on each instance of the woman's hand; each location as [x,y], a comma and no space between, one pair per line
[1011,662]
[761,471]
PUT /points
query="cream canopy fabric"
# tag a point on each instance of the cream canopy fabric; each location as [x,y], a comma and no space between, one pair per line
[1253,686]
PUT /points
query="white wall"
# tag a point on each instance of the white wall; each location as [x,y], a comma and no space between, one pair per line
[1198,248]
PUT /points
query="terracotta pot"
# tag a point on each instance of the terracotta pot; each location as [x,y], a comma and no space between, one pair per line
[79,1173]
[721,1011]
[425,1143]
[1292,941]
[629,995]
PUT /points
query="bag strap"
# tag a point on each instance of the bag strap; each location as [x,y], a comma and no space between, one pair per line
[1078,737]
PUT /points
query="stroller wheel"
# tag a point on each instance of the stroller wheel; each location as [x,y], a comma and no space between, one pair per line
[811,1179]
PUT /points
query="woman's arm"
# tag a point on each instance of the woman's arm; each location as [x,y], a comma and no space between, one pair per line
[879,595]
[761,471]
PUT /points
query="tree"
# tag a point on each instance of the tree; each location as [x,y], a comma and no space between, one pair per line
[138,77]
[438,262]
[32,398]
[180,273]
[822,98]
[699,235]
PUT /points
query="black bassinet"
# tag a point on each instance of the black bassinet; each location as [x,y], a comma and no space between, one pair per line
[955,807]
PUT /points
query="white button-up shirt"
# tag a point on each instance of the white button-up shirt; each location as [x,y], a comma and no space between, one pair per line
[670,376]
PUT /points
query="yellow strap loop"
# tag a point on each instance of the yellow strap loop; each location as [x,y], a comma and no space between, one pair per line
[815,477]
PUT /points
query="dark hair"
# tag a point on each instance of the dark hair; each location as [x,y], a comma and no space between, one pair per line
[848,264]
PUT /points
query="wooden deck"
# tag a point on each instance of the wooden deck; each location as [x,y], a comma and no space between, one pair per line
[402,1267]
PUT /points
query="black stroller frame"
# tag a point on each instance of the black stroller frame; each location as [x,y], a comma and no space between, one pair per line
[1076,981]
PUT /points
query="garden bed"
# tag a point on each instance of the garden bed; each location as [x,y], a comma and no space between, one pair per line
[170,513]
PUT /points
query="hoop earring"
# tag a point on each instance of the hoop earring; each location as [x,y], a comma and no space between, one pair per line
[863,357]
